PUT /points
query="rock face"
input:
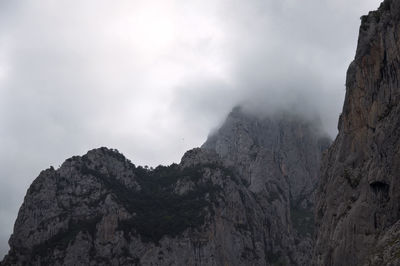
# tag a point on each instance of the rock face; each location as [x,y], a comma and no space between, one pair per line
[244,198]
[278,158]
[358,200]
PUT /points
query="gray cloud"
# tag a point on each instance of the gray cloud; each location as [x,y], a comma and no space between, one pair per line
[152,78]
[290,54]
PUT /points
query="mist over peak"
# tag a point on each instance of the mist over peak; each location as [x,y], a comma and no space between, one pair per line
[151,78]
[254,119]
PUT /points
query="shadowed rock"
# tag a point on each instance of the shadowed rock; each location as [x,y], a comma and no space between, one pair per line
[358,200]
[244,198]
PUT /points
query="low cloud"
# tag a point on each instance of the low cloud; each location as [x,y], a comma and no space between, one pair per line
[153,78]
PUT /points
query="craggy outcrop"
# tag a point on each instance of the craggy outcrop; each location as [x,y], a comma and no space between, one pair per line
[100,209]
[278,157]
[244,198]
[358,200]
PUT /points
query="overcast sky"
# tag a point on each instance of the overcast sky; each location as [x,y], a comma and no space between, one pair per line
[152,78]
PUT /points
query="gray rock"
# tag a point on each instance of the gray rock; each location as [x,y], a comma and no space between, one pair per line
[244,198]
[358,199]
[278,158]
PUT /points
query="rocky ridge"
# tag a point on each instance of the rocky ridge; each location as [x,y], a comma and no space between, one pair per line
[244,198]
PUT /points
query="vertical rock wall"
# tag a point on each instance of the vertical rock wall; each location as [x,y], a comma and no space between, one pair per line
[358,200]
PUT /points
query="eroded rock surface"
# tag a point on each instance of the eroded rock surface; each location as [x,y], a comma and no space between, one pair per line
[244,198]
[278,157]
[358,200]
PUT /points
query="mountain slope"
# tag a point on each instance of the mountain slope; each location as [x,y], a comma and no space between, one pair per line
[278,157]
[244,207]
[358,200]
[99,209]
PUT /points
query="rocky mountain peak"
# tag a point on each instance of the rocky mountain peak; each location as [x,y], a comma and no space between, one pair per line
[251,195]
[233,201]
[254,142]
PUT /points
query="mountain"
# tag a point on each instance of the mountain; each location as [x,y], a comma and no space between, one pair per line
[244,198]
[358,199]
[279,158]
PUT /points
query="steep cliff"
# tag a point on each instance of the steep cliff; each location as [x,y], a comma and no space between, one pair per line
[244,198]
[358,200]
[278,157]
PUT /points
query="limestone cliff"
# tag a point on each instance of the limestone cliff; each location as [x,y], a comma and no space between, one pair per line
[278,157]
[358,200]
[244,198]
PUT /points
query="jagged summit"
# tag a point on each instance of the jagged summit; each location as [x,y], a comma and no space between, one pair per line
[253,143]
[233,201]
[251,195]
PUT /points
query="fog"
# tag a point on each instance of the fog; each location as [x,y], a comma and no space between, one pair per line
[153,78]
